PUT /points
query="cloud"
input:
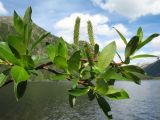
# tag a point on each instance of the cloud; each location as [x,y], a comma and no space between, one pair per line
[119,43]
[143,61]
[131,9]
[3,10]
[65,27]
[104,33]
[139,61]
[155,43]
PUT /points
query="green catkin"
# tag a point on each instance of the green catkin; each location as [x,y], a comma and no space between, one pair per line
[76,32]
[90,33]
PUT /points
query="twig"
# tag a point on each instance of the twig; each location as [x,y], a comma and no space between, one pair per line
[43,65]
[82,82]
[117,64]
[119,56]
[51,70]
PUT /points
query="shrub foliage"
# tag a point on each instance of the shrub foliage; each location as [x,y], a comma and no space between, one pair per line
[91,71]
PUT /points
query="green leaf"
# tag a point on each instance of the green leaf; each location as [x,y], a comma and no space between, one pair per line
[96,49]
[122,37]
[19,89]
[60,62]
[72,100]
[132,77]
[18,23]
[91,95]
[127,60]
[19,74]
[61,48]
[39,40]
[26,62]
[28,26]
[133,68]
[15,52]
[108,73]
[111,82]
[37,59]
[104,106]
[142,55]
[74,82]
[3,79]
[89,55]
[17,43]
[106,56]
[78,91]
[116,94]
[6,54]
[112,73]
[27,34]
[51,51]
[140,34]
[150,38]
[131,46]
[118,76]
[27,16]
[101,86]
[74,62]
[60,77]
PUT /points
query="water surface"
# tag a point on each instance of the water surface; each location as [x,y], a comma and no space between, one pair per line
[49,101]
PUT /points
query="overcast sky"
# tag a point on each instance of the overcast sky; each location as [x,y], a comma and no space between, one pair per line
[58,16]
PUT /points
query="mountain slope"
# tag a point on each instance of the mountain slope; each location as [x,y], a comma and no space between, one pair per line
[153,69]
[6,28]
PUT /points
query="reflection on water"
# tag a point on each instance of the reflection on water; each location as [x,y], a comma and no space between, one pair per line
[44,101]
[49,101]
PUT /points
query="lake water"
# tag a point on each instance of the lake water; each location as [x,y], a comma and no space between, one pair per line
[49,101]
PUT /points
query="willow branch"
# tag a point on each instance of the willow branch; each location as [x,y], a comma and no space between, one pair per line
[51,70]
[82,82]
[119,56]
[43,65]
[117,64]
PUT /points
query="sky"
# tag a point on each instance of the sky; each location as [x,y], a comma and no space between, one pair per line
[58,16]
